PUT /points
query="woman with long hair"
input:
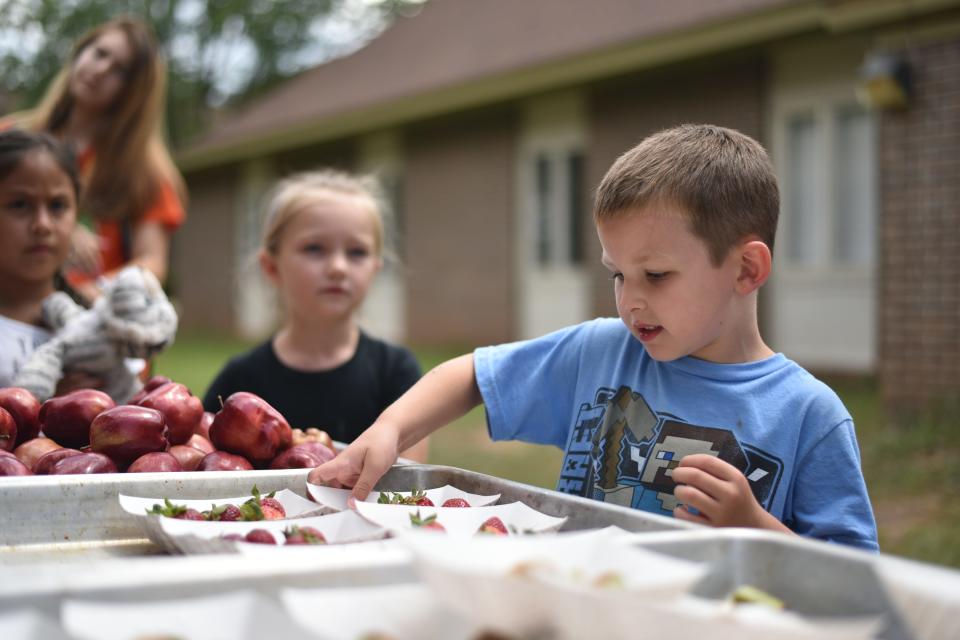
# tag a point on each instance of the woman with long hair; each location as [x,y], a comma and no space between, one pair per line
[107,103]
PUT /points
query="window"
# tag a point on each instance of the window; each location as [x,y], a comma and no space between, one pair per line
[829,188]
[558,207]
[854,194]
[803,187]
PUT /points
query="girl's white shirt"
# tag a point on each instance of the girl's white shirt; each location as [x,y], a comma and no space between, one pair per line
[18,340]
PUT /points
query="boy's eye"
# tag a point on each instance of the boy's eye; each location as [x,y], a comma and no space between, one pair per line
[656,276]
[313,248]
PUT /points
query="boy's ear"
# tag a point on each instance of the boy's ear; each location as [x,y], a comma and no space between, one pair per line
[268,265]
[756,262]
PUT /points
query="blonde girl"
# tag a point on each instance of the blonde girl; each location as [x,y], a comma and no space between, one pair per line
[323,244]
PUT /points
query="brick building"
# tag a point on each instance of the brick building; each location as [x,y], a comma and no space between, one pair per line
[492,122]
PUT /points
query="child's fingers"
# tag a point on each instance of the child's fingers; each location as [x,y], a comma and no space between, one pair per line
[374,465]
[333,473]
[711,465]
[709,484]
[681,513]
[696,498]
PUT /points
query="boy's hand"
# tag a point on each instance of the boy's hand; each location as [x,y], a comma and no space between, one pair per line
[362,463]
[719,492]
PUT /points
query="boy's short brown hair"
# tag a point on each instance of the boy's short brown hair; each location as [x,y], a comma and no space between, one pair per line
[721,178]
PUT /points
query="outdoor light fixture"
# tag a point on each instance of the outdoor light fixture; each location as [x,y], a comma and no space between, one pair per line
[884,81]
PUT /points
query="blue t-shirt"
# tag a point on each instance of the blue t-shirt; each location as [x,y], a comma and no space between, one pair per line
[625,420]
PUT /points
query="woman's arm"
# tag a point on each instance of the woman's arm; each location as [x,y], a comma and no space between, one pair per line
[151,248]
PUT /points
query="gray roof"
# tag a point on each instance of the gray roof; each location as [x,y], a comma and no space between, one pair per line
[458,53]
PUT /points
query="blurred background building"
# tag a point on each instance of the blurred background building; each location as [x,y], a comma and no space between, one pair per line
[491,122]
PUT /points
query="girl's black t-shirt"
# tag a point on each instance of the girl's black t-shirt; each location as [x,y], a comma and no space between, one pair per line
[343,401]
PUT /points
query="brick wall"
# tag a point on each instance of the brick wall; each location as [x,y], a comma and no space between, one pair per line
[459,210]
[201,261]
[920,234]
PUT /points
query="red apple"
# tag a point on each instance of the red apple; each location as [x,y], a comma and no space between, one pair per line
[127,432]
[203,427]
[181,410]
[8,431]
[223,461]
[25,409]
[312,434]
[188,457]
[306,455]
[10,466]
[83,463]
[155,461]
[154,382]
[46,461]
[199,442]
[247,425]
[66,419]
[32,450]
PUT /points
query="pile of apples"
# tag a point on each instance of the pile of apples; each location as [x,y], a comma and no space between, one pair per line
[162,428]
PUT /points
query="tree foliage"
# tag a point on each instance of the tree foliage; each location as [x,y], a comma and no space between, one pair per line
[219,52]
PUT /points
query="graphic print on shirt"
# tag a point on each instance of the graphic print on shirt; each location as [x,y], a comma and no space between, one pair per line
[623,451]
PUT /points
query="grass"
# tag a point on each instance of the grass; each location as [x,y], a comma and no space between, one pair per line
[912,467]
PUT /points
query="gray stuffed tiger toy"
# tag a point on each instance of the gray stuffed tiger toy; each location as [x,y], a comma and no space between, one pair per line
[132,319]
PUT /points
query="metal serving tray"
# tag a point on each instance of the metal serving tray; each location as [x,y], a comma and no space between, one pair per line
[815,578]
[69,518]
[63,536]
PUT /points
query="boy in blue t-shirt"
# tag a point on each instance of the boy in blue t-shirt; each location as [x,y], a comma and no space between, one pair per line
[679,407]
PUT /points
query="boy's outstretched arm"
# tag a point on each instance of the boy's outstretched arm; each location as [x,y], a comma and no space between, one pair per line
[445,393]
[721,495]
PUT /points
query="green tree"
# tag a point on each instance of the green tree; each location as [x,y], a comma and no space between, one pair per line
[219,52]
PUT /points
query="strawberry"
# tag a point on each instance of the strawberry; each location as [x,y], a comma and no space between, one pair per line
[272,509]
[493,525]
[304,535]
[178,511]
[260,536]
[417,497]
[260,508]
[224,513]
[455,502]
[429,522]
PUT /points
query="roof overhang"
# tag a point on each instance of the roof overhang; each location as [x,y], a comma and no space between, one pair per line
[648,53]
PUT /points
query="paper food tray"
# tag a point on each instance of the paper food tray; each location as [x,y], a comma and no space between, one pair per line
[25,624]
[399,612]
[192,536]
[241,615]
[336,499]
[460,522]
[294,505]
[519,584]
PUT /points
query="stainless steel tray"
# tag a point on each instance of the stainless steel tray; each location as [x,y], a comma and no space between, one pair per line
[69,518]
[67,536]
[820,579]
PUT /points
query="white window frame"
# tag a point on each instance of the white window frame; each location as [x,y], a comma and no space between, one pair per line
[554,293]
